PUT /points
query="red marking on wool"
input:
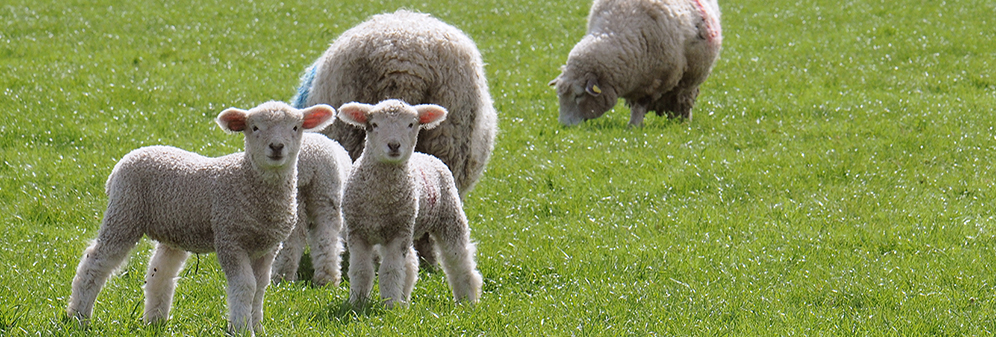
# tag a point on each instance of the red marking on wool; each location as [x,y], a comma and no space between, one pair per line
[711,23]
[432,193]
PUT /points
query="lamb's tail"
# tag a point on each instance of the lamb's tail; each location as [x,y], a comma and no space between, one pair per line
[307,79]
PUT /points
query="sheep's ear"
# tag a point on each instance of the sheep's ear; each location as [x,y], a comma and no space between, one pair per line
[355,113]
[318,117]
[430,115]
[554,81]
[232,120]
[592,87]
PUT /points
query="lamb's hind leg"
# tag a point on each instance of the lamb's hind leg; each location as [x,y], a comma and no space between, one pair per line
[113,243]
[457,255]
[288,259]
[160,281]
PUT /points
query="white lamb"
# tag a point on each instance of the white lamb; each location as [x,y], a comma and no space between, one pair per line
[418,59]
[394,195]
[322,168]
[240,206]
[652,53]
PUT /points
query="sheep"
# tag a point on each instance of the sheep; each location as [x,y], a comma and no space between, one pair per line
[322,168]
[394,195]
[419,59]
[240,206]
[652,53]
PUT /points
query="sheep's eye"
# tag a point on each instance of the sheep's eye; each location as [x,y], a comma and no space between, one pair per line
[255,128]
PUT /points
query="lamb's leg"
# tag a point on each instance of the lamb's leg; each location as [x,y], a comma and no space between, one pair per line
[396,267]
[326,249]
[261,270]
[288,259]
[241,287]
[113,243]
[361,269]
[457,252]
[160,281]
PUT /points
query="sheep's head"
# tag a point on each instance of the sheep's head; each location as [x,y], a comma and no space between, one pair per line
[273,130]
[392,126]
[582,97]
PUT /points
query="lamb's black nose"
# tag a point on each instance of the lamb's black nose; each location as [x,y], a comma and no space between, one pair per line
[394,146]
[276,147]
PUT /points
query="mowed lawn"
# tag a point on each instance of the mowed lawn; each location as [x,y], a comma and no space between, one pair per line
[837,177]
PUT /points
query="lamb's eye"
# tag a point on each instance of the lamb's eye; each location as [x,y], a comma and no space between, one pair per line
[373,124]
[255,128]
[410,125]
[295,128]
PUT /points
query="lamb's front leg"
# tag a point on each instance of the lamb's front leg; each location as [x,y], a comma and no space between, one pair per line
[261,269]
[398,271]
[361,269]
[241,287]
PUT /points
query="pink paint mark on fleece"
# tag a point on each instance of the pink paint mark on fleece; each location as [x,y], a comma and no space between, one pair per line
[430,189]
[711,22]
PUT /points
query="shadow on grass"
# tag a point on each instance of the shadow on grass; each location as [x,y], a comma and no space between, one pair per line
[345,313]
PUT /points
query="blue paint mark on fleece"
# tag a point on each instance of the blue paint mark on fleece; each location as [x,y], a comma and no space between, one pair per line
[301,98]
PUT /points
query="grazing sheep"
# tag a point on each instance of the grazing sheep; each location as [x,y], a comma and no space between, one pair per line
[395,195]
[418,59]
[322,168]
[652,53]
[240,206]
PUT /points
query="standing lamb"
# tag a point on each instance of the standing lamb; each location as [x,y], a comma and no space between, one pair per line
[652,53]
[322,168]
[418,59]
[395,195]
[240,206]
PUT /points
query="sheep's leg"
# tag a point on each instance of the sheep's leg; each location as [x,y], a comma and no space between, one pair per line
[288,259]
[241,286]
[396,268]
[99,260]
[636,113]
[457,252]
[261,270]
[160,281]
[361,269]
[326,249]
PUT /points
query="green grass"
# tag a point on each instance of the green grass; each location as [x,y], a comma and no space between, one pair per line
[837,177]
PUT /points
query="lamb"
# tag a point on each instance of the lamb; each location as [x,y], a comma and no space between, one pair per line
[395,195]
[322,168]
[418,59]
[240,206]
[652,53]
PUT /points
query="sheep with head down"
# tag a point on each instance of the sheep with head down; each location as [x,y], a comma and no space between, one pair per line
[240,206]
[652,53]
[395,194]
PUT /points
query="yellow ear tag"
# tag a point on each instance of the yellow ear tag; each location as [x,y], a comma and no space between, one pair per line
[596,89]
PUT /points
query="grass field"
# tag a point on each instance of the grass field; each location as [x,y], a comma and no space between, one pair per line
[837,177]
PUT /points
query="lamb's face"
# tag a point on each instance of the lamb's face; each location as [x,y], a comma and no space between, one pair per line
[273,137]
[582,98]
[391,135]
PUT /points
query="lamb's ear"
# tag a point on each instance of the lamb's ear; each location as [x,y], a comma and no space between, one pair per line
[592,87]
[232,120]
[355,113]
[430,115]
[554,81]
[318,117]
